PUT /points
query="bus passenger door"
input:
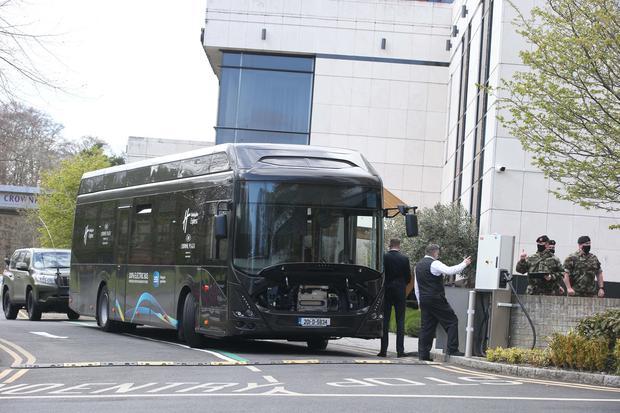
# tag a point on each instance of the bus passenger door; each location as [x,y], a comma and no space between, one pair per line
[122,246]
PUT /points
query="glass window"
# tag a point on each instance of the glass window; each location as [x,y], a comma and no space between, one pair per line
[252,136]
[140,250]
[267,98]
[166,171]
[278,62]
[282,222]
[277,101]
[165,222]
[51,259]
[139,176]
[27,258]
[219,163]
[195,166]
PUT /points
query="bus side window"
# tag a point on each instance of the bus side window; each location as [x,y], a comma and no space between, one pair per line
[165,222]
[141,240]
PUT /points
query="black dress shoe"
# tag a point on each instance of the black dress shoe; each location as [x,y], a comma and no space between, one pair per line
[404,355]
[456,353]
[382,354]
[425,358]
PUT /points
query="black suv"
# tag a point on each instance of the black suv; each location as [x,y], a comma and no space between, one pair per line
[38,279]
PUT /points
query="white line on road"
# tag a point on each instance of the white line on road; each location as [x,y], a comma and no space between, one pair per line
[253,368]
[270,379]
[44,334]
[213,353]
[318,395]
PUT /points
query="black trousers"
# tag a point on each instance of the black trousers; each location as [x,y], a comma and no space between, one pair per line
[394,297]
[436,309]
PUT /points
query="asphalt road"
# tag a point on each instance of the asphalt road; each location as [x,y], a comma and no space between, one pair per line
[60,365]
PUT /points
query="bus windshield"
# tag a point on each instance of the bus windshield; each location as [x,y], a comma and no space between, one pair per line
[284,223]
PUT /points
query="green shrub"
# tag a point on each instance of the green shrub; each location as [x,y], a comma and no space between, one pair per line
[575,351]
[604,325]
[515,355]
[617,356]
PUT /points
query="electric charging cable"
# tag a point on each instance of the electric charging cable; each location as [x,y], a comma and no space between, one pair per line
[508,278]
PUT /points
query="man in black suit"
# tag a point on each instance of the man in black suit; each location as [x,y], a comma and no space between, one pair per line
[397,276]
[434,307]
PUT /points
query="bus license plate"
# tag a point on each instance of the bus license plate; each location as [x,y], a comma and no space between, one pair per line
[314,322]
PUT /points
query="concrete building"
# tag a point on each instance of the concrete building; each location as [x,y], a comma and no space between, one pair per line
[396,80]
[140,148]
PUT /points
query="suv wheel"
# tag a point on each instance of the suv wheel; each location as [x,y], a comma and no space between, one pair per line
[72,315]
[34,310]
[10,310]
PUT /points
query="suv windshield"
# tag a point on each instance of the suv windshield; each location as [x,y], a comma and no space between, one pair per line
[51,259]
[283,222]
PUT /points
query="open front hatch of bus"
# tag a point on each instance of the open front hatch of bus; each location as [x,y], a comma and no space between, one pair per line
[318,287]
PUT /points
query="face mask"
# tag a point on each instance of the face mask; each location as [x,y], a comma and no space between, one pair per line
[541,248]
[552,250]
[586,249]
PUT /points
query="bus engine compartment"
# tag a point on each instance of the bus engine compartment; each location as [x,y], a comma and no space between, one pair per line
[323,288]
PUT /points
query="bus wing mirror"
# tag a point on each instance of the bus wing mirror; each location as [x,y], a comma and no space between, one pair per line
[221,226]
[411,225]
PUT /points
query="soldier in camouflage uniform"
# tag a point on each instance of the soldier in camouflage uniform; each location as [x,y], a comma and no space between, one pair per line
[542,261]
[581,270]
[558,288]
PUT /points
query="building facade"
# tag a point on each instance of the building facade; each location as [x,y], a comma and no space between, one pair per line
[397,80]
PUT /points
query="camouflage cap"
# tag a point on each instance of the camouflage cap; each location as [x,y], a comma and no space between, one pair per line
[542,238]
[551,242]
[583,239]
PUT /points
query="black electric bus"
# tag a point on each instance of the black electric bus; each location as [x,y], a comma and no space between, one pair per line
[246,240]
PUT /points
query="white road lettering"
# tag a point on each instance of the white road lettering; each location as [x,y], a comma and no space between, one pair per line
[395,381]
[208,387]
[493,381]
[44,334]
[443,382]
[351,383]
[34,388]
[169,386]
[252,386]
[270,379]
[83,386]
[123,388]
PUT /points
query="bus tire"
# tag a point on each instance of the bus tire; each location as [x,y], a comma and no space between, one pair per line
[10,310]
[72,315]
[33,308]
[317,344]
[192,338]
[103,312]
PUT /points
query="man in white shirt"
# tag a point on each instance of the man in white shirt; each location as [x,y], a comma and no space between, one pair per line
[433,304]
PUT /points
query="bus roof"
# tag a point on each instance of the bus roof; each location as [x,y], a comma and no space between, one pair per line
[246,155]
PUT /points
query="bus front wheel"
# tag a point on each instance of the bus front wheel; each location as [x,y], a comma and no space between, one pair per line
[192,338]
[103,312]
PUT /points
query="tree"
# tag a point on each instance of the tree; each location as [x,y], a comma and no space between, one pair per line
[450,226]
[566,109]
[59,189]
[18,49]
[30,142]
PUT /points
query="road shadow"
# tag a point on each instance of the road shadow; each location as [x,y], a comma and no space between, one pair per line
[247,346]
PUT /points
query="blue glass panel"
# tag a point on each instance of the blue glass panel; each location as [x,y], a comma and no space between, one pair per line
[231,59]
[275,62]
[229,89]
[274,101]
[251,136]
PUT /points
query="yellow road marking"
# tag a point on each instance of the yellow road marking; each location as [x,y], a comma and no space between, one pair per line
[455,369]
[13,349]
[370,361]
[310,361]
